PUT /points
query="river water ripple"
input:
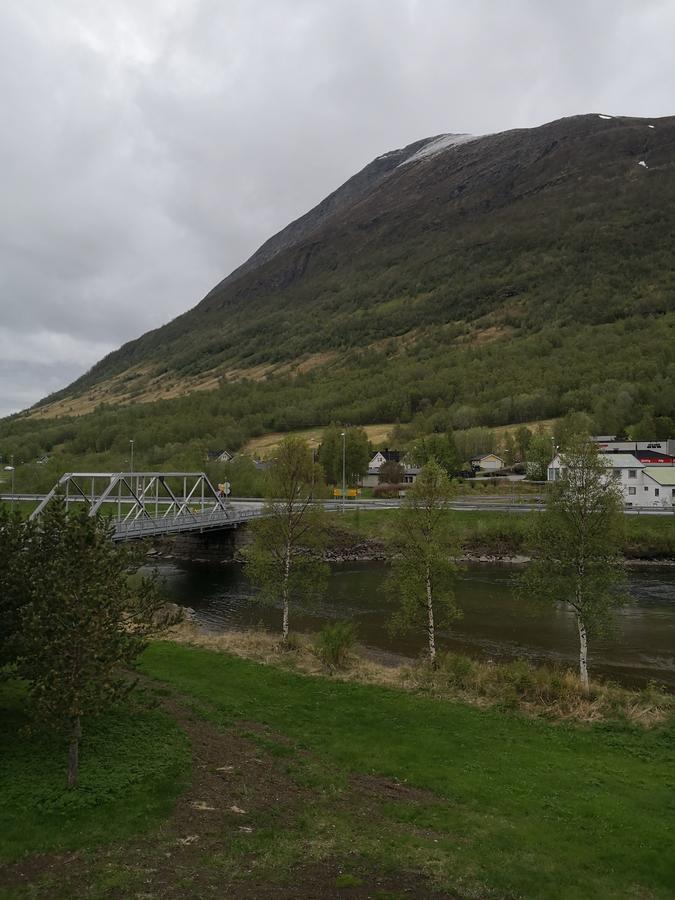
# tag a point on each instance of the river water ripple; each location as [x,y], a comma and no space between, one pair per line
[496,624]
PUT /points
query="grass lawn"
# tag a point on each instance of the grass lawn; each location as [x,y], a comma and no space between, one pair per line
[303,787]
[516,807]
[133,764]
[493,531]
[25,507]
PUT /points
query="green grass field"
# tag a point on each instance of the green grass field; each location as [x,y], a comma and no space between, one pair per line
[524,808]
[503,533]
[365,779]
[134,762]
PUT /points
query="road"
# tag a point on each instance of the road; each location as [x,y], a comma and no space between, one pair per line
[506,503]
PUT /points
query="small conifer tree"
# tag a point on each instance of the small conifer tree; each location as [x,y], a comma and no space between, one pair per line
[84,621]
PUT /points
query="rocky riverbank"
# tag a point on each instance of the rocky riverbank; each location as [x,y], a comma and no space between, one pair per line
[365,550]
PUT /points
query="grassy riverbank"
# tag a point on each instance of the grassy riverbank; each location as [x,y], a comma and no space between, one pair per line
[496,533]
[303,786]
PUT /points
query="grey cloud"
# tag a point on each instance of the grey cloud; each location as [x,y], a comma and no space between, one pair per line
[148,148]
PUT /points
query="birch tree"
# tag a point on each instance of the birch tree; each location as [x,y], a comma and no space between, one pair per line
[423,570]
[577,545]
[83,621]
[284,559]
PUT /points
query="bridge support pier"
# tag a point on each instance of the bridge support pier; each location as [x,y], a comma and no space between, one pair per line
[207,547]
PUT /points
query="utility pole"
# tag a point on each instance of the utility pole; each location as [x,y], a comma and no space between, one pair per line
[344,480]
[131,456]
[11,469]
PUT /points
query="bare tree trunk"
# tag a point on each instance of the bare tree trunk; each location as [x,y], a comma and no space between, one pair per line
[74,752]
[583,654]
[431,631]
[581,627]
[287,572]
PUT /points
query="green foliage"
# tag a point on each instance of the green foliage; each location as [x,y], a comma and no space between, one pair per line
[458,668]
[474,441]
[541,451]
[245,479]
[390,472]
[135,761]
[356,454]
[283,560]
[14,533]
[335,643]
[523,437]
[439,447]
[549,291]
[82,621]
[577,543]
[572,426]
[538,374]
[423,570]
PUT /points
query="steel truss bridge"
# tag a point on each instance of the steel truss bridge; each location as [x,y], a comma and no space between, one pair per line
[149,504]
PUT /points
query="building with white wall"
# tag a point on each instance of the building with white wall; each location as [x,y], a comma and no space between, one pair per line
[383,456]
[643,486]
[655,452]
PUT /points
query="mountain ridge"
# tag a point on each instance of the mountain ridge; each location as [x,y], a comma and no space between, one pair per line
[353,201]
[507,277]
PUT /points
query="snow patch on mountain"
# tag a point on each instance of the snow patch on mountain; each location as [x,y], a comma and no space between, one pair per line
[438,145]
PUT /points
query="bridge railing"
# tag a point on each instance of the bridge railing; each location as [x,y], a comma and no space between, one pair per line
[196,521]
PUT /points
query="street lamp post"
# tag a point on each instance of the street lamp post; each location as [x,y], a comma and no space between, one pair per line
[343,435]
[131,456]
[11,469]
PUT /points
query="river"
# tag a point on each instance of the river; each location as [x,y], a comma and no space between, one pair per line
[496,624]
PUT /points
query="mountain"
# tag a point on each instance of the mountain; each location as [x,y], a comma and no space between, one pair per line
[462,280]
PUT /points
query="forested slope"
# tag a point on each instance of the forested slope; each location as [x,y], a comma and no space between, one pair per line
[459,282]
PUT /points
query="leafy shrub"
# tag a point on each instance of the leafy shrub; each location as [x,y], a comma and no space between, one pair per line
[334,644]
[386,491]
[460,670]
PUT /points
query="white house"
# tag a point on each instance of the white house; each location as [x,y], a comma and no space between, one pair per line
[383,456]
[658,486]
[218,456]
[646,487]
[372,476]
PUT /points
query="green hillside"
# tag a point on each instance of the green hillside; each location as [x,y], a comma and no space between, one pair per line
[515,277]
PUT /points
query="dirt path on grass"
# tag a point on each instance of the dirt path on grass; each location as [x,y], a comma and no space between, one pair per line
[227,834]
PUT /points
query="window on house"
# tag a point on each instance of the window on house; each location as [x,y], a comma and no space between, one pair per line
[656,492]
[631,491]
[617,473]
[646,488]
[632,473]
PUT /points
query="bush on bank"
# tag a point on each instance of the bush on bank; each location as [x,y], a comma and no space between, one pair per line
[536,691]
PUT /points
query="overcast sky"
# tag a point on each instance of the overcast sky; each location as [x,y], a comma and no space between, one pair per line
[147,148]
